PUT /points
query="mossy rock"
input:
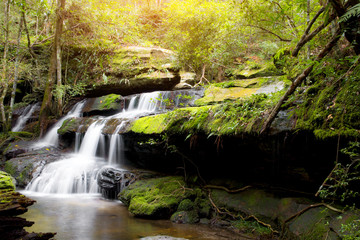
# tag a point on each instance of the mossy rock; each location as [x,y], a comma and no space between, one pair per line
[186,217]
[186,205]
[155,198]
[7,182]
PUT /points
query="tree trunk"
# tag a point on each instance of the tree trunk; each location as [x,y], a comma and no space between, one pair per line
[4,82]
[16,73]
[300,79]
[32,53]
[54,70]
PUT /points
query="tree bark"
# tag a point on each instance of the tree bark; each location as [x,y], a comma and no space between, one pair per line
[54,70]
[4,82]
[306,37]
[299,80]
[32,53]
[16,73]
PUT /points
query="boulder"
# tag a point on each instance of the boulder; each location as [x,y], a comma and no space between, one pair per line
[155,198]
[29,165]
[134,70]
[111,181]
[13,204]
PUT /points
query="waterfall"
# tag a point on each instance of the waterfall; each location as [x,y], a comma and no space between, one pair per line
[116,146]
[51,138]
[78,172]
[21,121]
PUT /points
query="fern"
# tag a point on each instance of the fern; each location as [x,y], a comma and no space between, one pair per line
[352,12]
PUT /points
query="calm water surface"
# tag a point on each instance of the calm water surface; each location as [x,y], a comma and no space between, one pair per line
[89,217]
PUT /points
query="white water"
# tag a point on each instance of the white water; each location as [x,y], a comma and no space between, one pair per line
[116,146]
[21,121]
[77,172]
[52,138]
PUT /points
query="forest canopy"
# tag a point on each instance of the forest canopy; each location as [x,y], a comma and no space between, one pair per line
[42,39]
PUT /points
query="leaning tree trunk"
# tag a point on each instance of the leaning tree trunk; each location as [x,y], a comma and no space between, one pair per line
[300,79]
[46,106]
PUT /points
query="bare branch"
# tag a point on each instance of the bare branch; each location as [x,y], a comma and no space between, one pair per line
[268,31]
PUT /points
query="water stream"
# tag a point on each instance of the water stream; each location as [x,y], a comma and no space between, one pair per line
[76,173]
[23,118]
[67,194]
[89,217]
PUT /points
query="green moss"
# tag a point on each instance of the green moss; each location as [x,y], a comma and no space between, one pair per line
[24,174]
[10,168]
[6,181]
[331,108]
[110,101]
[22,135]
[215,94]
[251,227]
[150,125]
[154,198]
[188,217]
[228,118]
[186,205]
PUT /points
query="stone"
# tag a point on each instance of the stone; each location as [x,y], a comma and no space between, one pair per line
[186,217]
[111,181]
[7,182]
[155,198]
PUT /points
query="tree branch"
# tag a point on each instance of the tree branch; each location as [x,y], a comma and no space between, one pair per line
[308,37]
[299,80]
[272,33]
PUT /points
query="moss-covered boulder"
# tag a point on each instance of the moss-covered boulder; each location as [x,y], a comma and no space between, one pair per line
[137,69]
[186,213]
[156,197]
[103,105]
[7,182]
[12,204]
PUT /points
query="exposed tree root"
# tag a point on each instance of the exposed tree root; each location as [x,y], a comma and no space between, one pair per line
[306,209]
[226,189]
[227,212]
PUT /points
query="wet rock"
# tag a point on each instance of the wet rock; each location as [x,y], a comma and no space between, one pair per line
[186,217]
[300,218]
[162,237]
[111,181]
[29,165]
[13,204]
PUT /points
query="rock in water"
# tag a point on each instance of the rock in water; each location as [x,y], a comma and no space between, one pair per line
[111,181]
[13,204]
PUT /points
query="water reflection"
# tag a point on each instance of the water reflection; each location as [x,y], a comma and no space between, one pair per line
[89,217]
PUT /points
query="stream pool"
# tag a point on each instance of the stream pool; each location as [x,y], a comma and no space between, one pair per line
[90,217]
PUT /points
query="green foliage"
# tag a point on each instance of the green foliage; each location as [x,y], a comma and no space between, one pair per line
[352,12]
[340,183]
[351,231]
[202,32]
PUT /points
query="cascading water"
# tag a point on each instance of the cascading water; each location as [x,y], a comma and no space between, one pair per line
[51,138]
[77,173]
[21,121]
